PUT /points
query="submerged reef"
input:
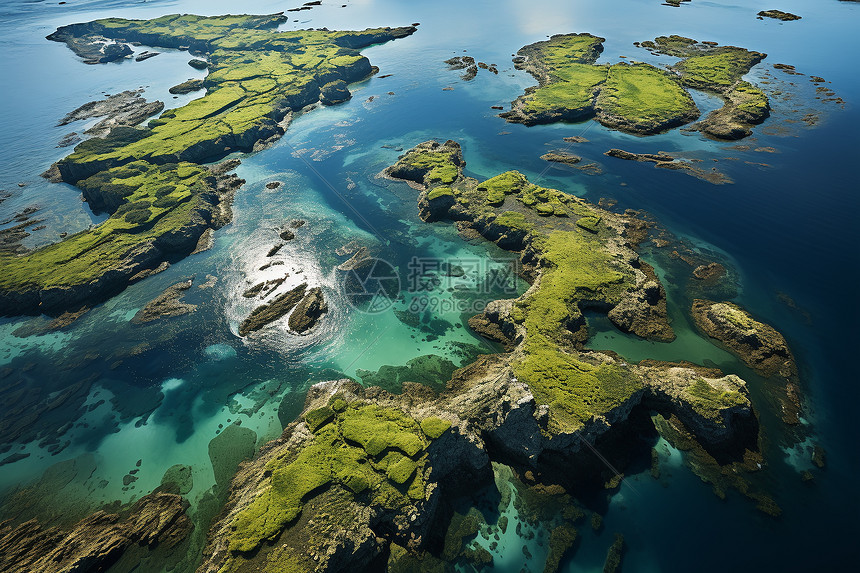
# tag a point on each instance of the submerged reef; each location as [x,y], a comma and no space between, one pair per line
[151,179]
[637,97]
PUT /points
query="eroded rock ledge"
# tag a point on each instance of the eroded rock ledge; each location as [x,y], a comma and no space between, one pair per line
[156,522]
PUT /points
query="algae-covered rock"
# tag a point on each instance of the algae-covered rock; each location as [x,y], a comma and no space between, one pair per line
[758,344]
[308,311]
[561,157]
[226,450]
[187,87]
[561,540]
[272,311]
[178,479]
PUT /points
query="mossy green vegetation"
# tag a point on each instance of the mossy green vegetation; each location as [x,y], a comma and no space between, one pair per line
[569,238]
[719,70]
[709,401]
[147,202]
[359,451]
[576,270]
[147,177]
[440,192]
[643,99]
[430,165]
[434,427]
[638,98]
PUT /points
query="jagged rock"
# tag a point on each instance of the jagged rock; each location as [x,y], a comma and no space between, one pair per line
[642,311]
[123,109]
[156,521]
[166,305]
[308,312]
[270,312]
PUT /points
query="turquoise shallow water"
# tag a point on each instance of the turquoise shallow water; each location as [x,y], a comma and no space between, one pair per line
[159,393]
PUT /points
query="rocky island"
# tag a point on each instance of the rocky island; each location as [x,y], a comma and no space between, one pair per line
[638,98]
[151,179]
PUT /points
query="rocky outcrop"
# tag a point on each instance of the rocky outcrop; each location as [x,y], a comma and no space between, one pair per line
[187,87]
[272,311]
[642,311]
[719,70]
[397,458]
[123,109]
[561,157]
[759,345]
[344,521]
[435,205]
[156,522]
[308,312]
[116,270]
[778,15]
[664,160]
[334,92]
[429,164]
[166,305]
[172,202]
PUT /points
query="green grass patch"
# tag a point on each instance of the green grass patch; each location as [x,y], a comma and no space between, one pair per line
[366,450]
[643,94]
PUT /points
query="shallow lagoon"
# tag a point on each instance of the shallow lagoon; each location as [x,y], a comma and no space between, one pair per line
[788,227]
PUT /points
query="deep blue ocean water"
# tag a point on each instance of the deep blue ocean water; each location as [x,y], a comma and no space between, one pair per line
[160,392]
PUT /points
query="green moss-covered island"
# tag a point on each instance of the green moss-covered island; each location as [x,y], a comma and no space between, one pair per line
[151,179]
[638,98]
